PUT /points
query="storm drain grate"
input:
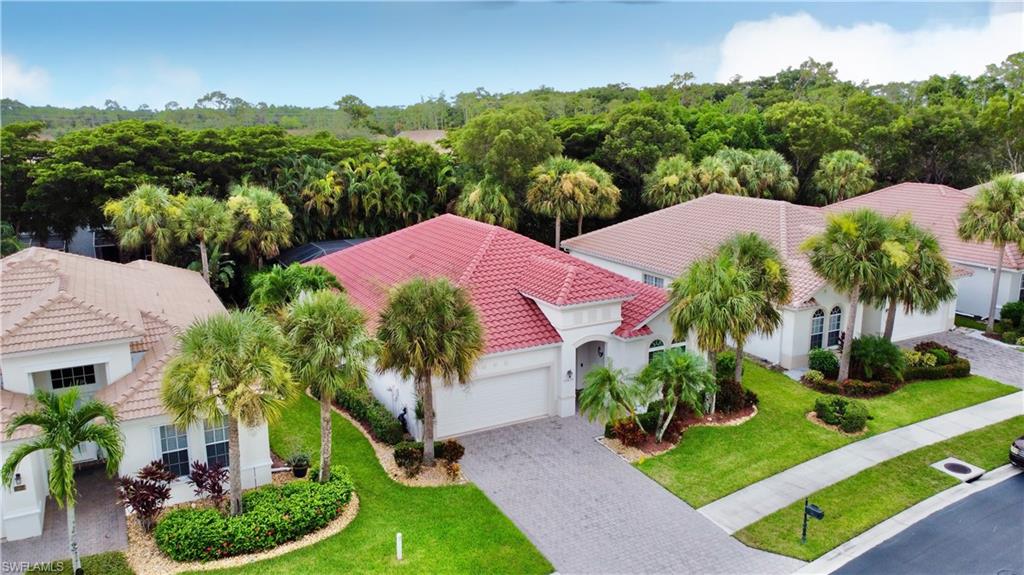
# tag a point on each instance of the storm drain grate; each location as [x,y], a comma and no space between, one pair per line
[960,469]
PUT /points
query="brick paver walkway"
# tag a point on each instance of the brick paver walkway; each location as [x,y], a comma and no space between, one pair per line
[988,358]
[100,518]
[588,511]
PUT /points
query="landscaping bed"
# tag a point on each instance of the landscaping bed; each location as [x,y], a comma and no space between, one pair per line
[780,435]
[651,447]
[860,502]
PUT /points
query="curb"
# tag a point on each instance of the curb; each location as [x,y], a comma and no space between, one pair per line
[891,527]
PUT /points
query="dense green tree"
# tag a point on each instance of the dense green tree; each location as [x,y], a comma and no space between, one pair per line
[1003,118]
[804,132]
[681,378]
[425,172]
[262,222]
[505,145]
[581,135]
[279,286]
[673,181]
[145,218]
[9,243]
[429,329]
[716,175]
[640,135]
[21,147]
[235,366]
[842,175]
[204,220]
[610,395]
[996,215]
[486,201]
[768,175]
[560,189]
[602,200]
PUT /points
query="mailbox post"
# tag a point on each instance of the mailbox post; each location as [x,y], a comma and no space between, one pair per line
[813,511]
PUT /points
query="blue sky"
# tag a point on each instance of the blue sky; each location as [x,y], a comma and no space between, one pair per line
[394,53]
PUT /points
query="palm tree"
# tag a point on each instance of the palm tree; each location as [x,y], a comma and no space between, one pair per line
[235,365]
[63,424]
[429,328]
[682,378]
[330,351]
[205,220]
[769,284]
[486,201]
[843,174]
[602,200]
[560,189]
[715,175]
[609,395]
[857,249]
[924,283]
[769,176]
[278,286]
[263,224]
[995,214]
[144,217]
[673,181]
[715,299]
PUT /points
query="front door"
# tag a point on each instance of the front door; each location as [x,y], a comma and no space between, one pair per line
[588,356]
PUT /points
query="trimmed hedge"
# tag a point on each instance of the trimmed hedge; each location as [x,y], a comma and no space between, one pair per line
[1012,313]
[825,361]
[380,422]
[409,454]
[851,387]
[732,396]
[958,367]
[851,416]
[273,515]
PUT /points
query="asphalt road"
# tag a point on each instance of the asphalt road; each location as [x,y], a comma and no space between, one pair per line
[982,534]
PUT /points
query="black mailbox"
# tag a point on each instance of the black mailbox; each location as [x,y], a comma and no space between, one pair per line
[814,511]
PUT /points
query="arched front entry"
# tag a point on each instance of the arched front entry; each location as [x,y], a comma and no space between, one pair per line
[588,356]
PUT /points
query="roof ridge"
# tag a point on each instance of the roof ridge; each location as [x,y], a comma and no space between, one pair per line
[153,360]
[783,233]
[567,281]
[478,256]
[64,296]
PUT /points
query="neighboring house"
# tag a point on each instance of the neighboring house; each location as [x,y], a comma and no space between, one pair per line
[97,243]
[937,208]
[108,330]
[548,318]
[311,251]
[657,247]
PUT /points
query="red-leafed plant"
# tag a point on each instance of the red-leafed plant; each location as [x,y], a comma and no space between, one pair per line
[146,493]
[208,481]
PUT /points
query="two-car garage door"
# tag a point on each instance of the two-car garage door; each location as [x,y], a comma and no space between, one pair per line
[493,401]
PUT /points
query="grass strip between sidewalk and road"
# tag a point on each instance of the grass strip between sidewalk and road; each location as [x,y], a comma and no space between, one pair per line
[858,503]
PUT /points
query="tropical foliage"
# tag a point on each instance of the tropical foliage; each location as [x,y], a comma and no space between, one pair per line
[145,218]
[280,285]
[681,379]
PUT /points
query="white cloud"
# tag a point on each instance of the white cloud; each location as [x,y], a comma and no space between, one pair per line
[871,51]
[155,85]
[29,84]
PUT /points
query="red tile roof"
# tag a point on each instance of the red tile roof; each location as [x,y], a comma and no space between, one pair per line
[937,208]
[502,271]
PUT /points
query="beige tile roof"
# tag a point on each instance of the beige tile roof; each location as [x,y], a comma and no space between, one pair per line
[12,404]
[667,241]
[51,299]
[936,208]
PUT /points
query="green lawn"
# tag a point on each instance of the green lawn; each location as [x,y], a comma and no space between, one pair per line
[112,563]
[858,503]
[444,529]
[711,462]
[964,321]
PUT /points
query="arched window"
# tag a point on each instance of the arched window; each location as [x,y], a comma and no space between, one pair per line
[835,326]
[657,346]
[817,328]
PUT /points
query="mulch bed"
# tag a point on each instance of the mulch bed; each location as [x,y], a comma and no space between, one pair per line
[650,447]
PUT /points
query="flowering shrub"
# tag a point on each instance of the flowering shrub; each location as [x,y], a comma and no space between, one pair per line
[273,515]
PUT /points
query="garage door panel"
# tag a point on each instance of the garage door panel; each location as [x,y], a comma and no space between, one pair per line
[493,401]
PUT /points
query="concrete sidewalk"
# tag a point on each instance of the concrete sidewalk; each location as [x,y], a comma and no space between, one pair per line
[741,508]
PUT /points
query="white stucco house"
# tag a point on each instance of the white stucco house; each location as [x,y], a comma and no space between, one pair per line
[106,329]
[657,247]
[548,318]
[937,208]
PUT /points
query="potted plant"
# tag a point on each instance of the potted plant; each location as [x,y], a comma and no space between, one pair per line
[299,463]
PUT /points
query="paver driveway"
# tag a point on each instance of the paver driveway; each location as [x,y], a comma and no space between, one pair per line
[588,511]
[988,358]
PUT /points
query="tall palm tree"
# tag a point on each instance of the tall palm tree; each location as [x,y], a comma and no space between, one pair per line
[232,365]
[769,175]
[769,282]
[715,175]
[429,328]
[673,181]
[330,352]
[995,214]
[278,286]
[924,283]
[486,201]
[63,424]
[609,395]
[602,200]
[206,221]
[146,216]
[857,249]
[560,188]
[263,224]
[842,175]
[682,378]
[715,299]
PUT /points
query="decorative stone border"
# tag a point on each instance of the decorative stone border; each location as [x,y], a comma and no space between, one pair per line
[635,454]
[145,558]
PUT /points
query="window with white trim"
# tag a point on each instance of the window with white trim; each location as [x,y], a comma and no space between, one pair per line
[216,435]
[835,326]
[174,449]
[72,376]
[817,328]
[657,346]
[653,280]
